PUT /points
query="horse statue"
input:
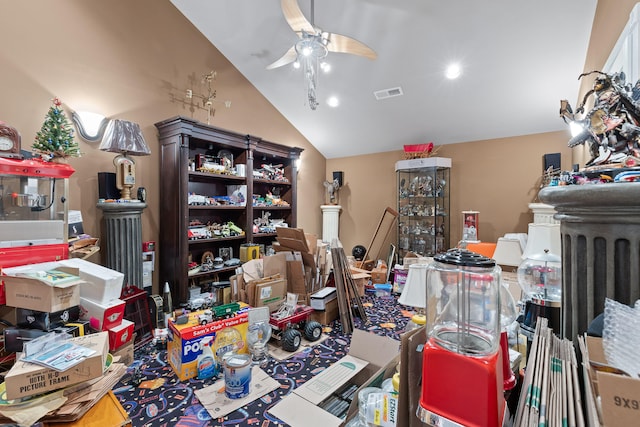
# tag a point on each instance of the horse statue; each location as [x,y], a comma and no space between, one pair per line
[332,190]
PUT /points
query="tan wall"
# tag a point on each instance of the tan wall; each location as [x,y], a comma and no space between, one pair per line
[125,59]
[498,177]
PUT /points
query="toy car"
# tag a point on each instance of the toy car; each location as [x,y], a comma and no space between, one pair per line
[291,318]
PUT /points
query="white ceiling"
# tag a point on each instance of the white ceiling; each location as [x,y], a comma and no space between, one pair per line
[519,58]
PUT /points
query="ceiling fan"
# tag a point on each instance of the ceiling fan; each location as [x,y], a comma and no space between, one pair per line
[314,45]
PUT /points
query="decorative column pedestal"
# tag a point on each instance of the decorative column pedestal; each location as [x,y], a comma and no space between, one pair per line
[122,237]
[330,222]
[600,232]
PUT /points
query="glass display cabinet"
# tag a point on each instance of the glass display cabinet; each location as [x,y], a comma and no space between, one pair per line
[423,206]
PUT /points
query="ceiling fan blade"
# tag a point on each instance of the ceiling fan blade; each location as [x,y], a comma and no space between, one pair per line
[344,44]
[295,18]
[287,58]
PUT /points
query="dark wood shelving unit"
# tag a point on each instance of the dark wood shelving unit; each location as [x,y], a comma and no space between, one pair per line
[181,139]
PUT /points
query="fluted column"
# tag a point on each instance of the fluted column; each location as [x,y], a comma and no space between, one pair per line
[330,222]
[600,232]
[122,237]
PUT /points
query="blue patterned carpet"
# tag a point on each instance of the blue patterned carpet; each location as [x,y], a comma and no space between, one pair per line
[154,397]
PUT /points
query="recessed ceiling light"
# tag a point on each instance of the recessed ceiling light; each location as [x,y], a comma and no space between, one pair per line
[453,71]
[325,66]
[333,101]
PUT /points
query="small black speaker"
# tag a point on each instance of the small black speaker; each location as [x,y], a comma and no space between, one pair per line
[552,161]
[337,175]
[107,186]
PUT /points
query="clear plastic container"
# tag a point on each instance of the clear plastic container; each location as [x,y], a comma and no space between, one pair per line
[464,289]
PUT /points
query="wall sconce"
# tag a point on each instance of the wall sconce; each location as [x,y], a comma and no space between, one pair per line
[90,125]
[125,138]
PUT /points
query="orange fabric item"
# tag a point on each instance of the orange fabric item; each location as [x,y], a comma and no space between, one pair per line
[482,248]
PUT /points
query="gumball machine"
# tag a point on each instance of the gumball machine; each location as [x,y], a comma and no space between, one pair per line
[462,379]
[540,277]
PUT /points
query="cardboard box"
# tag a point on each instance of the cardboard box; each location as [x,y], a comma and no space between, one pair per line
[322,297]
[125,352]
[35,294]
[184,341]
[378,275]
[618,393]
[328,315]
[361,278]
[369,357]
[270,293]
[27,379]
[410,377]
[102,284]
[102,316]
[121,334]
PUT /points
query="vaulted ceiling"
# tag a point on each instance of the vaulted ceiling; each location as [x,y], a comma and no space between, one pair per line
[518,59]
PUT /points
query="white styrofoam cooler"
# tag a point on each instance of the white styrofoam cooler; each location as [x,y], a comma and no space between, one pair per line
[323,296]
[103,284]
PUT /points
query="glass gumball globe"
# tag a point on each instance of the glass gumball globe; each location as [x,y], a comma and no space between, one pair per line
[540,277]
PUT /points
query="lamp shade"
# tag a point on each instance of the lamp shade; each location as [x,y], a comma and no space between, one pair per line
[508,252]
[414,293]
[541,237]
[125,137]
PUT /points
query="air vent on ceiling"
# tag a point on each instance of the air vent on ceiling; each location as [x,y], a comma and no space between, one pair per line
[388,93]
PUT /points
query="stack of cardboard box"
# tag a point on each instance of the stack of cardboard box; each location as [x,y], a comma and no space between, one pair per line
[100,302]
[74,296]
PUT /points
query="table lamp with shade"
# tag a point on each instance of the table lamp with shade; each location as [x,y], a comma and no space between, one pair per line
[125,138]
[508,253]
[414,294]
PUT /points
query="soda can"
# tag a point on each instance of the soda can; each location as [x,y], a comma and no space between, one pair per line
[237,375]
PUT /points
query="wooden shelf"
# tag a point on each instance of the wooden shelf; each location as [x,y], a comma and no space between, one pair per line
[181,140]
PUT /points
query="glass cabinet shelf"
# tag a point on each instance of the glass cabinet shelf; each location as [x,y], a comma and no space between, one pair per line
[423,206]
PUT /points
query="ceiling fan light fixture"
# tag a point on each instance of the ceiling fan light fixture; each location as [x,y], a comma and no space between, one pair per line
[313,46]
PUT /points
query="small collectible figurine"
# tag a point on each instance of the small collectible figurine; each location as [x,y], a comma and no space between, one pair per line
[332,190]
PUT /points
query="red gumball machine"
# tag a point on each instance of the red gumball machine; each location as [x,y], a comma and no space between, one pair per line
[462,377]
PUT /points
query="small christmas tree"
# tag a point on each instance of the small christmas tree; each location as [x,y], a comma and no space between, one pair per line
[55,139]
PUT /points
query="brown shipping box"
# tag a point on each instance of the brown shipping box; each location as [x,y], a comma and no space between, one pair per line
[35,294]
[27,379]
[618,393]
[370,357]
[271,293]
[328,315]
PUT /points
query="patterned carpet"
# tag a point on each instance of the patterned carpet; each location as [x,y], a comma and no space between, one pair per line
[154,397]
